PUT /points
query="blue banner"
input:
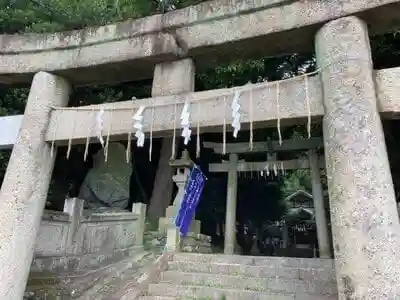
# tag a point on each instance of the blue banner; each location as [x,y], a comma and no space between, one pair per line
[193,189]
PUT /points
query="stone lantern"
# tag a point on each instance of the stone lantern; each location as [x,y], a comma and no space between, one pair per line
[167,224]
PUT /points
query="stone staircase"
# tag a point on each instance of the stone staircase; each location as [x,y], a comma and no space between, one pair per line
[88,284]
[100,283]
[210,276]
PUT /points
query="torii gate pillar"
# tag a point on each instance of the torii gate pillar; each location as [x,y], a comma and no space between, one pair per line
[170,78]
[230,218]
[365,222]
[26,182]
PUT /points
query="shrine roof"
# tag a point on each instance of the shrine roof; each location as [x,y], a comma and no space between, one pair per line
[299,193]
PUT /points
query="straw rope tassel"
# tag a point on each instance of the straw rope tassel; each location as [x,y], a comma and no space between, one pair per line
[88,138]
[278,119]
[308,105]
[108,132]
[198,131]
[267,84]
[151,132]
[72,134]
[174,135]
[54,137]
[251,120]
[129,145]
[224,129]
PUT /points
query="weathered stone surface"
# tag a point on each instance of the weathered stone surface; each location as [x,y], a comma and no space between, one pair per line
[86,241]
[164,223]
[138,286]
[25,185]
[96,275]
[107,288]
[265,271]
[171,78]
[86,284]
[362,200]
[276,285]
[154,240]
[196,243]
[207,292]
[292,101]
[210,32]
[107,183]
[237,277]
[276,262]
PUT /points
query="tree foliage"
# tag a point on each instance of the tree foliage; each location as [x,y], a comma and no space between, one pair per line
[39,16]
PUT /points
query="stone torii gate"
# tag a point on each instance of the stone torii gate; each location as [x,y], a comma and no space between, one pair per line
[314,163]
[348,96]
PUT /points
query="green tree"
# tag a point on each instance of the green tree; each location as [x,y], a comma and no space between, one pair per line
[296,180]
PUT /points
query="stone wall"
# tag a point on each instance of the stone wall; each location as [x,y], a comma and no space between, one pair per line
[53,235]
[77,239]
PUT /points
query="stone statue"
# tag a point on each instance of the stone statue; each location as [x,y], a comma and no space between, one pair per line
[107,183]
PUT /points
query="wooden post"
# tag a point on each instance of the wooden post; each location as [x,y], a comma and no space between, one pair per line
[230,221]
[319,207]
[285,235]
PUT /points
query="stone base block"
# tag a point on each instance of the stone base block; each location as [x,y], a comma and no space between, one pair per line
[196,243]
[171,211]
[173,240]
[165,223]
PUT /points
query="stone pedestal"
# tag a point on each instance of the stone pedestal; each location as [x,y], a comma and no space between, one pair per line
[26,182]
[172,211]
[365,222]
[167,224]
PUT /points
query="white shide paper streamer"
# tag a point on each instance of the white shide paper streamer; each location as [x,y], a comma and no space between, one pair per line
[236,114]
[99,126]
[138,126]
[185,124]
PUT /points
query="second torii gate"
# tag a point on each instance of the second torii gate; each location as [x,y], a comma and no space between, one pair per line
[314,163]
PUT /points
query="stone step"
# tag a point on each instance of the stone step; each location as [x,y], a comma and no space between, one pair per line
[255,260]
[262,271]
[198,292]
[275,285]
